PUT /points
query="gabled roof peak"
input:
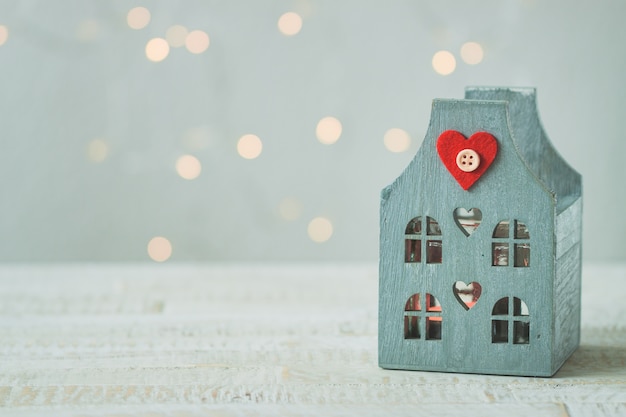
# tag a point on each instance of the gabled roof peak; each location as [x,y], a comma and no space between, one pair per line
[532,142]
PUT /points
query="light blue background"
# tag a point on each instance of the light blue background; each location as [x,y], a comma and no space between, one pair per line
[366,63]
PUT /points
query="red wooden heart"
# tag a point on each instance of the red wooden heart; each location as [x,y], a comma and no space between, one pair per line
[450,143]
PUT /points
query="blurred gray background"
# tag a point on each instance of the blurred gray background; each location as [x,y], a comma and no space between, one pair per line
[96,115]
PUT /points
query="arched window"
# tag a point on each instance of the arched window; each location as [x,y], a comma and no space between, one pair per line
[510,322]
[428,318]
[511,234]
[420,229]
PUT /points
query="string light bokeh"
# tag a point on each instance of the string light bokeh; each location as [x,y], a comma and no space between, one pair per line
[290,24]
[147,131]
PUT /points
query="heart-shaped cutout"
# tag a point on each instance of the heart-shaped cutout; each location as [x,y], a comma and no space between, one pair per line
[467,159]
[467,294]
[468,220]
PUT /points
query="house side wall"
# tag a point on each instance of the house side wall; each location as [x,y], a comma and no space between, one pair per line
[567,284]
[569,228]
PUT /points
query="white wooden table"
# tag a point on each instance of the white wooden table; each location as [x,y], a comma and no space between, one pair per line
[261,340]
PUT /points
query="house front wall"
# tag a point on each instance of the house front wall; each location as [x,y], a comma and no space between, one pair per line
[506,191]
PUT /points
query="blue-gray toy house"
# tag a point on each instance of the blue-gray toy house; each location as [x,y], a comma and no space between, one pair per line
[480,244]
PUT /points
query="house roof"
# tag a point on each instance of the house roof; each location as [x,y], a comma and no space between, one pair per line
[532,143]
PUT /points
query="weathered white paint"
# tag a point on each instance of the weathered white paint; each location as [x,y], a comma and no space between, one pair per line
[261,340]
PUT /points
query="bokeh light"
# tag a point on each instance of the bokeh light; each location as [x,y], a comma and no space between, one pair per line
[188,167]
[328,130]
[157,49]
[97,150]
[138,18]
[249,146]
[290,24]
[472,53]
[444,63]
[176,36]
[4,34]
[397,140]
[290,208]
[320,229]
[159,249]
[197,41]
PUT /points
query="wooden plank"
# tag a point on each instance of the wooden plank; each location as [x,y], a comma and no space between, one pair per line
[286,410]
[224,343]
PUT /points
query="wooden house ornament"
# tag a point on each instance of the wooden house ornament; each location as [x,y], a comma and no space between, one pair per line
[480,244]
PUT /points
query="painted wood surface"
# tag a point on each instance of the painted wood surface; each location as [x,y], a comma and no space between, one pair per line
[507,191]
[526,182]
[252,340]
[533,142]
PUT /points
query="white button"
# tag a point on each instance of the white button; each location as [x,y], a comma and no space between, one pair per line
[467,160]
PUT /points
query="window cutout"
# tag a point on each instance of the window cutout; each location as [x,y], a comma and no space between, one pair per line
[413,303]
[414,227]
[432,227]
[500,254]
[411,327]
[468,220]
[522,255]
[519,307]
[412,250]
[412,243]
[513,322]
[521,231]
[411,321]
[433,253]
[429,320]
[433,328]
[499,331]
[502,230]
[503,242]
[521,333]
[501,308]
[432,304]
[467,294]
